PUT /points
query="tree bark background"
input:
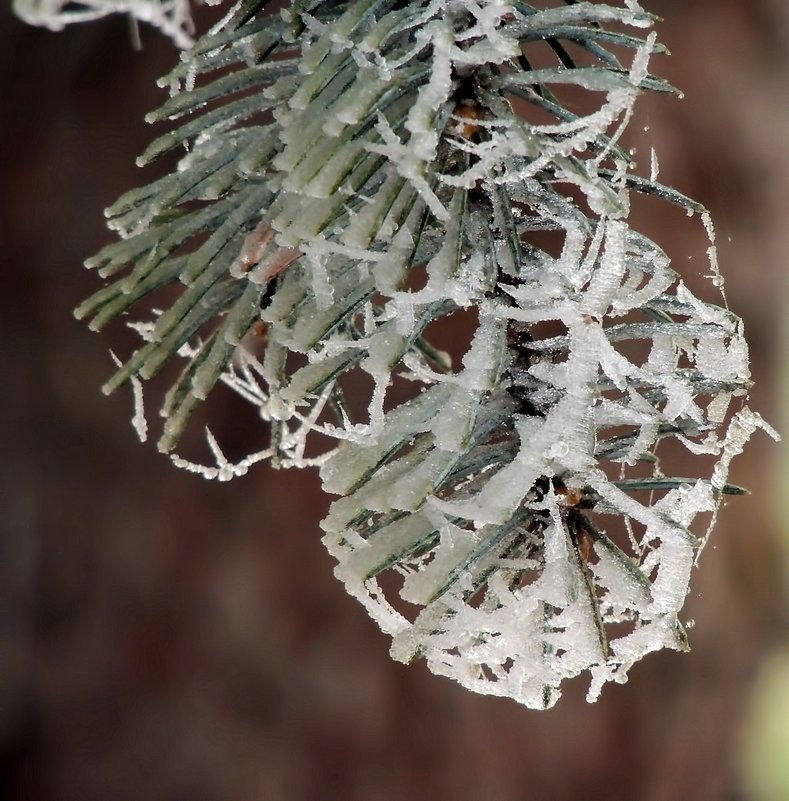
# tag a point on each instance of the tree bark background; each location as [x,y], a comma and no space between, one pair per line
[165,638]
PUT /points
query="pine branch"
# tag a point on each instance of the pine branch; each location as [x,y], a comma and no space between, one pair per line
[356,172]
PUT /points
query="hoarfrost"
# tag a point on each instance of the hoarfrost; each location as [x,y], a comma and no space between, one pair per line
[405,171]
[139,421]
[172,17]
[497,506]
[224,469]
[519,581]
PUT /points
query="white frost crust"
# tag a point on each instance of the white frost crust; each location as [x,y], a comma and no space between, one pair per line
[171,17]
[512,596]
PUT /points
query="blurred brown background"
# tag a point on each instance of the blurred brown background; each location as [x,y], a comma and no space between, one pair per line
[163,638]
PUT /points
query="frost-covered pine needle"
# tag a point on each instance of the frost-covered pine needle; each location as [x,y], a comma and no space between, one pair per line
[224,469]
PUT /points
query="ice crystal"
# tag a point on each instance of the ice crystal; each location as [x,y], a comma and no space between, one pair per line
[172,17]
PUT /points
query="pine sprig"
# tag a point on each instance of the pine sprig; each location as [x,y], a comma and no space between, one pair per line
[491,495]
[302,139]
[356,172]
